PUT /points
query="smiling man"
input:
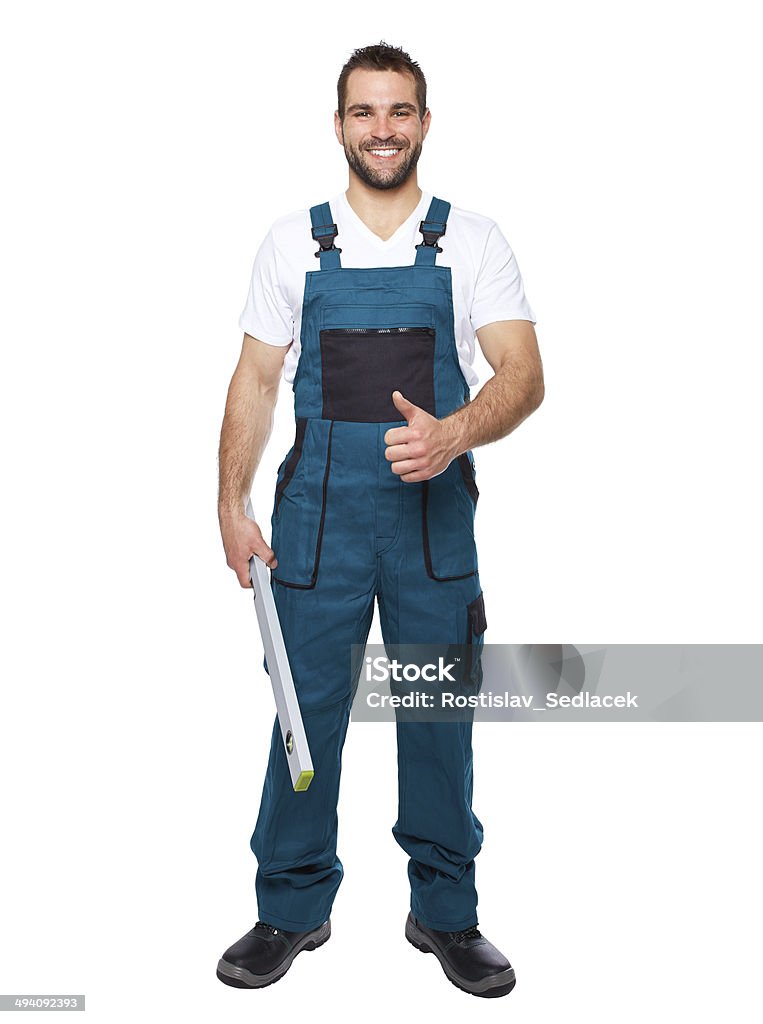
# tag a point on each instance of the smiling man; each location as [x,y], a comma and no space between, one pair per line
[383,164]
[374,504]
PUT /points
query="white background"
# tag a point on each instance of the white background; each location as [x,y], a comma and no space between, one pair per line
[148,146]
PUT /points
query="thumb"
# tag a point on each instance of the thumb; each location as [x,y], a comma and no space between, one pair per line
[403,405]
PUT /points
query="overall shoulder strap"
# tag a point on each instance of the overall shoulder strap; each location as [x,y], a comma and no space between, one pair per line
[432,228]
[324,232]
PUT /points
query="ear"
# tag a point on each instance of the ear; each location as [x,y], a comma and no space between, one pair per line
[338,130]
[425,123]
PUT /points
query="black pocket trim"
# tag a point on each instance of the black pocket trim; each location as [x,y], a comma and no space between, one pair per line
[468,474]
[425,537]
[319,541]
[294,458]
[476,621]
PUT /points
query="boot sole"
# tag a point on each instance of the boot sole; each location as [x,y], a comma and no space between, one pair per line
[240,977]
[489,988]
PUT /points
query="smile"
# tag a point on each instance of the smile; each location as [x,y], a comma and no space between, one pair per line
[385,154]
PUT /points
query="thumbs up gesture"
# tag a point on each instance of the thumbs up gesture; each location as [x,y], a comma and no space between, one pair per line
[424,447]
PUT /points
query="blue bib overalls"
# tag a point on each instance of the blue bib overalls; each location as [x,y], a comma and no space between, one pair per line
[347,531]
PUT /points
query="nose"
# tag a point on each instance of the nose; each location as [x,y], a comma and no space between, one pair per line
[385,128]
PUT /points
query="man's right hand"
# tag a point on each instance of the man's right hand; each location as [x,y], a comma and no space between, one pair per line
[241,539]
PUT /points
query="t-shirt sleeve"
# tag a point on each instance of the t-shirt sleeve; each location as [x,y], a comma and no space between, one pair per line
[267,315]
[499,292]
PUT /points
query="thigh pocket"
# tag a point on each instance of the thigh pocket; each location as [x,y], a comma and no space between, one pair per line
[448,504]
[299,510]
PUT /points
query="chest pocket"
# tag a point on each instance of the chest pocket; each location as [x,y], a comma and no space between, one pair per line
[448,506]
[367,352]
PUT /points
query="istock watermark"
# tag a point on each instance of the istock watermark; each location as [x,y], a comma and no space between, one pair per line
[558,682]
[381,670]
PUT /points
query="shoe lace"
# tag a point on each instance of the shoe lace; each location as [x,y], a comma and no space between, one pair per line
[467,933]
[268,927]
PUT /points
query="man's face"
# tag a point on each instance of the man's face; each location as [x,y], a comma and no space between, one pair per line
[382,132]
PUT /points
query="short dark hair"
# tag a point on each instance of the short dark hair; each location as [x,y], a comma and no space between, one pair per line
[382,57]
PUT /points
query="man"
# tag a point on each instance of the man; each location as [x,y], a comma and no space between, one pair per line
[375,501]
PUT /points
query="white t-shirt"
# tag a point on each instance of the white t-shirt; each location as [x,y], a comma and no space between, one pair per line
[487,285]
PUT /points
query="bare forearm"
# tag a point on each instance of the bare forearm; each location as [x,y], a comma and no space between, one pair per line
[247,425]
[503,402]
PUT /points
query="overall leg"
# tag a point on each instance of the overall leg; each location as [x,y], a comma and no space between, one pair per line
[295,836]
[436,825]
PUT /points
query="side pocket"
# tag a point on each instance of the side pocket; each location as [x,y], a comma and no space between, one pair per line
[476,624]
[448,504]
[291,463]
[467,472]
[299,517]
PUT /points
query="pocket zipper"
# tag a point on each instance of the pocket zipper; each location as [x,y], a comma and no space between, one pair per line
[379,330]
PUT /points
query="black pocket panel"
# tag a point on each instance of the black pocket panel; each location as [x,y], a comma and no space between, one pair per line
[361,367]
[467,472]
[477,623]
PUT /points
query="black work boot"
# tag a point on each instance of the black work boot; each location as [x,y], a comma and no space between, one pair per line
[264,954]
[468,959]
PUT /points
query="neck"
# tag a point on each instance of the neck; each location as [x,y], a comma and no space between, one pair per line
[383,210]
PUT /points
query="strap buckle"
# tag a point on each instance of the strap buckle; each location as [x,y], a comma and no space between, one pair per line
[432,230]
[326,233]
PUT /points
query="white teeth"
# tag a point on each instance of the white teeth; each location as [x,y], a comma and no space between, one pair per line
[385,152]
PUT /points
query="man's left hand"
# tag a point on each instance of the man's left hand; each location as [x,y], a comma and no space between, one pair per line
[422,449]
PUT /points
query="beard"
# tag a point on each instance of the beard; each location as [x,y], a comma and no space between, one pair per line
[381,177]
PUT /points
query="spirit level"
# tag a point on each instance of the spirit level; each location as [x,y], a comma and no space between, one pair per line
[289,716]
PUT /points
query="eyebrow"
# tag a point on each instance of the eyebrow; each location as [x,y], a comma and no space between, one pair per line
[368,106]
